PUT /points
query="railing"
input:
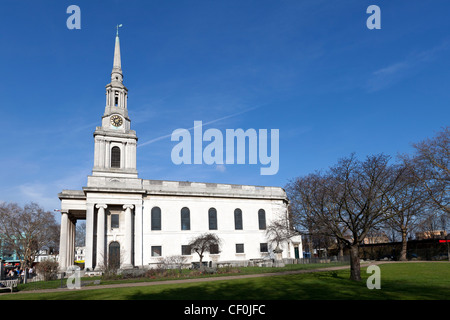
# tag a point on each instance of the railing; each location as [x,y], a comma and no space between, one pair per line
[331,259]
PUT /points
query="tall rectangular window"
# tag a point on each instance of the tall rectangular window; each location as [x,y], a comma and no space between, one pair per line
[114,221]
[185,219]
[212,217]
[238,219]
[262,219]
[156,218]
[115,157]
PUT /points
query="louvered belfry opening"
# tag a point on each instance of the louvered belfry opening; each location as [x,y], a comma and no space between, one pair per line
[115,157]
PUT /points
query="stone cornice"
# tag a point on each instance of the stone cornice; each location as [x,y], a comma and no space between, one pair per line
[131,134]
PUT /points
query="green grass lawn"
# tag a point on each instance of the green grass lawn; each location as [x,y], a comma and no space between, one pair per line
[186,274]
[402,281]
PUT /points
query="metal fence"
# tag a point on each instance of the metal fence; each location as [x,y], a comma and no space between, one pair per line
[331,260]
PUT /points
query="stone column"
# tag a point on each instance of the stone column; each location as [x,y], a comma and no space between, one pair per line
[101,257]
[69,242]
[63,241]
[127,263]
[138,249]
[72,242]
[89,237]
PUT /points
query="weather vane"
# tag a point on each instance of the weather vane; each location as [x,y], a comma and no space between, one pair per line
[117,27]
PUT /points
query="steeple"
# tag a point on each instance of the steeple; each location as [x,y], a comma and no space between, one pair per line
[115,142]
[117,65]
[116,92]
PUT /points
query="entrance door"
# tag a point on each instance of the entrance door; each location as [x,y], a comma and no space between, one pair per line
[297,254]
[114,255]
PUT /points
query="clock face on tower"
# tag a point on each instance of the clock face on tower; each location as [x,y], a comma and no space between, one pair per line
[116,120]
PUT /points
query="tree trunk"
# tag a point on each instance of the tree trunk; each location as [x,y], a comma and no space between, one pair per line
[341,251]
[355,265]
[404,245]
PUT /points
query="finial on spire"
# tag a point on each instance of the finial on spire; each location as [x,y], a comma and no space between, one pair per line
[117,63]
[117,27]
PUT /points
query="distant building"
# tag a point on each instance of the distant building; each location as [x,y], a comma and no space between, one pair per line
[79,254]
[377,238]
[45,254]
[434,234]
[10,257]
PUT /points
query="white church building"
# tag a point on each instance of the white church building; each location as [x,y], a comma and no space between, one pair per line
[142,221]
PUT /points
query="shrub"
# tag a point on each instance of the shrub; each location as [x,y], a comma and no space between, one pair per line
[228,269]
[48,269]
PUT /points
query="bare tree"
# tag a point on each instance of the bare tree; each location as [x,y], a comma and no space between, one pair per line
[277,232]
[206,242]
[431,163]
[345,202]
[26,230]
[407,204]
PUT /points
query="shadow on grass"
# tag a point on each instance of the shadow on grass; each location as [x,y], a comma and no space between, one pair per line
[318,286]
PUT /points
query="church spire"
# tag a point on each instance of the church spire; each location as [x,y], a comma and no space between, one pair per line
[117,66]
[116,92]
[116,74]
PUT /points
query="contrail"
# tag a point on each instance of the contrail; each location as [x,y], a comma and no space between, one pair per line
[203,124]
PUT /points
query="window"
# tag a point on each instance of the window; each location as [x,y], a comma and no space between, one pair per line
[116,99]
[238,219]
[115,157]
[263,247]
[114,255]
[262,219]
[114,221]
[214,249]
[185,250]
[156,251]
[156,218]
[212,217]
[185,219]
[239,248]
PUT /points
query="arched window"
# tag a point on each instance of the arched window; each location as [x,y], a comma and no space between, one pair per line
[185,219]
[114,255]
[262,219]
[212,217]
[156,218]
[115,157]
[238,219]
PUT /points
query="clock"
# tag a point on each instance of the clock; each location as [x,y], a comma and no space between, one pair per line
[116,120]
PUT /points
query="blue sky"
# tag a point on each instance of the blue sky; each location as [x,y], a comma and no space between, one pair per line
[311,69]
